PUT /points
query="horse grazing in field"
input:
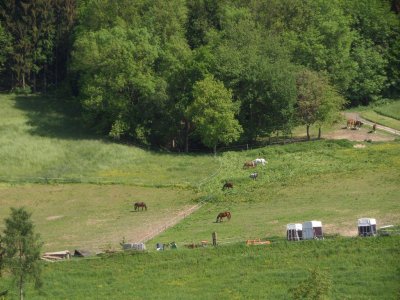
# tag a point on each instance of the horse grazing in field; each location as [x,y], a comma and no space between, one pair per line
[138,205]
[259,161]
[225,214]
[227,185]
[249,164]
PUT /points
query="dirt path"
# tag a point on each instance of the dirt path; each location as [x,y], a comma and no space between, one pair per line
[363,134]
[160,228]
[369,123]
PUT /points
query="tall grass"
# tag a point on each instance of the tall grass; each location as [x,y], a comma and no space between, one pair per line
[373,116]
[40,143]
[391,109]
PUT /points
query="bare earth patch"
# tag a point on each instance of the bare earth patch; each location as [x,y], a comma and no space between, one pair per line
[360,135]
[51,218]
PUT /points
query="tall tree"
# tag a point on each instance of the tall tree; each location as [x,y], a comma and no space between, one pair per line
[5,47]
[119,88]
[317,102]
[15,16]
[22,249]
[213,113]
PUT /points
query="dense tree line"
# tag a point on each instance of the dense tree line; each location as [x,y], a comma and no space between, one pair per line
[185,73]
[35,42]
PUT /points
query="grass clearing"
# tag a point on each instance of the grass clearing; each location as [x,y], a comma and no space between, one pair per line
[93,217]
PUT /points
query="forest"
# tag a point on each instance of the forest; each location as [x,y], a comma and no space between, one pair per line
[185,74]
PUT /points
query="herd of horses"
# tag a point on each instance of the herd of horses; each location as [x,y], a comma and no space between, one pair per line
[351,124]
[229,185]
[354,124]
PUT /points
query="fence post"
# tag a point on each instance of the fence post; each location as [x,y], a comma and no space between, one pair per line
[214,238]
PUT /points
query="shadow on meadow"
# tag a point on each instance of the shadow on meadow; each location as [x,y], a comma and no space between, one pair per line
[53,117]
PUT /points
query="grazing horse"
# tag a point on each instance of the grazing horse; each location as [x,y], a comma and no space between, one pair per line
[254,175]
[261,161]
[138,205]
[249,164]
[225,214]
[227,185]
[354,124]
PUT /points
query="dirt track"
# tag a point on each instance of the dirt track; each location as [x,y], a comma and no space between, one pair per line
[369,123]
[365,133]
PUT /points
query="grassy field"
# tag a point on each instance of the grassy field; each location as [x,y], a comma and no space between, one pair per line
[381,119]
[359,268]
[93,217]
[330,181]
[391,110]
[40,143]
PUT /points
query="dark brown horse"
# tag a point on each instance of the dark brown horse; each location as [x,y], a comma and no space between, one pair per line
[138,205]
[227,185]
[225,214]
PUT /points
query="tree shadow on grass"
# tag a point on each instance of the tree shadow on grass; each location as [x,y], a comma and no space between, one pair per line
[53,117]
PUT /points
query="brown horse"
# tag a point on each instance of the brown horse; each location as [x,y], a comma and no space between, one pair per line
[227,185]
[138,205]
[249,164]
[225,214]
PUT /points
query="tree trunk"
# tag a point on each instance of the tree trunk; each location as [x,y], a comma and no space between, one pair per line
[186,136]
[319,133]
[308,132]
[23,80]
[21,289]
[215,150]
[21,278]
[44,78]
[34,82]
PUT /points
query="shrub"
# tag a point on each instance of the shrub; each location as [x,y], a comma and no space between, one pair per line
[317,286]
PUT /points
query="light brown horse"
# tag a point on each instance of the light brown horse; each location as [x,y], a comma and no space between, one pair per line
[225,214]
[138,205]
[249,164]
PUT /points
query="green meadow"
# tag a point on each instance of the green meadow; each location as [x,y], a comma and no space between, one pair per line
[42,141]
[355,268]
[387,114]
[391,109]
[80,189]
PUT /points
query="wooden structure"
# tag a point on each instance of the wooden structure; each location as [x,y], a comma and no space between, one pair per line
[312,230]
[366,227]
[54,256]
[294,232]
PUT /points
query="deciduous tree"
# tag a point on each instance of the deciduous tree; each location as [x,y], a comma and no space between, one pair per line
[213,113]
[22,249]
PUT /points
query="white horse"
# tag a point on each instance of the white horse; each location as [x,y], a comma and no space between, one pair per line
[258,161]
